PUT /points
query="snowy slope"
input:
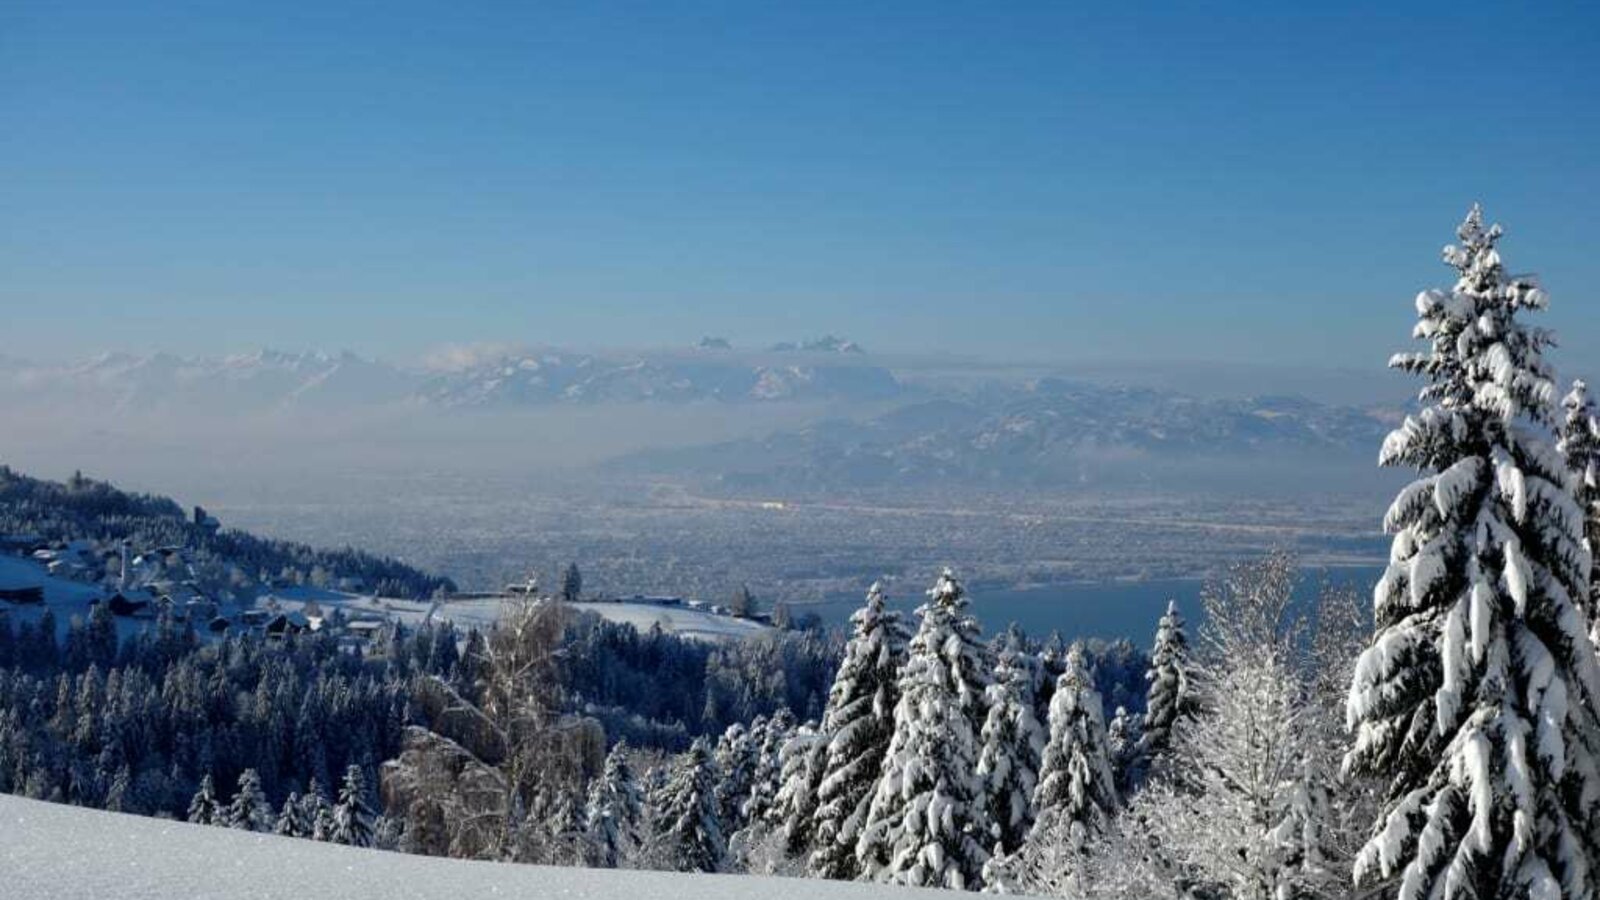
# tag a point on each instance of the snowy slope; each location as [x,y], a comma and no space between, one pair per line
[55,852]
[63,596]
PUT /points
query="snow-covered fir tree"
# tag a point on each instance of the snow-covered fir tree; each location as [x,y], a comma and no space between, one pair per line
[1171,696]
[1077,793]
[1478,700]
[119,796]
[1013,743]
[1052,662]
[928,824]
[857,725]
[204,809]
[794,810]
[249,810]
[316,812]
[352,817]
[567,841]
[766,775]
[735,758]
[686,835]
[1580,447]
[615,809]
[291,821]
[1122,736]
[778,841]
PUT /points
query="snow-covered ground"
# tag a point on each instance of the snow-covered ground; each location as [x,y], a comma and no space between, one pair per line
[67,598]
[54,852]
[697,623]
[62,593]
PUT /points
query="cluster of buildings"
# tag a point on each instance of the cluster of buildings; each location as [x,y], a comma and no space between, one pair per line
[152,582]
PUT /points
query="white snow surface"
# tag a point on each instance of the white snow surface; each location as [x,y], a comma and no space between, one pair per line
[55,852]
[686,622]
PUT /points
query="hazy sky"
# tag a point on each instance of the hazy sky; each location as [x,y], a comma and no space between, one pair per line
[1050,180]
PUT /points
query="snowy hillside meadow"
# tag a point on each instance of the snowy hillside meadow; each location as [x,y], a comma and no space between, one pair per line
[54,852]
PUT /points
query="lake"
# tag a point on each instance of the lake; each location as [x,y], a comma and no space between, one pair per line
[1118,609]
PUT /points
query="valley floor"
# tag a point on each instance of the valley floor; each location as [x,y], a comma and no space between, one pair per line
[55,852]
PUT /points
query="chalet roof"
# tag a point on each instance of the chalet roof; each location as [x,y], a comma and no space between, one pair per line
[120,605]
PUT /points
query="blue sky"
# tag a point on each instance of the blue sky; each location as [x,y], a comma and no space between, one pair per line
[1042,181]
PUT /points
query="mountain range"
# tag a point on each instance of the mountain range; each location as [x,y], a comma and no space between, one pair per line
[826,369]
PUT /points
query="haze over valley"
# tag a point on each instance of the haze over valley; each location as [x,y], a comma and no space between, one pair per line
[804,470]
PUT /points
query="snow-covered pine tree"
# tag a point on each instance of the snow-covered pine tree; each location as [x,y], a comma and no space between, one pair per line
[1478,700]
[687,837]
[793,810]
[1171,696]
[352,817]
[567,841]
[1052,662]
[1013,744]
[316,812]
[1077,791]
[291,822]
[1580,446]
[928,825]
[857,725]
[735,759]
[119,796]
[249,810]
[204,808]
[779,840]
[766,775]
[1122,736]
[614,810]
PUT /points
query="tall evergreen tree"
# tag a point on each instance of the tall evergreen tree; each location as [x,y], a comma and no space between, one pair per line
[687,836]
[204,808]
[316,813]
[291,821]
[928,825]
[1122,736]
[1171,696]
[571,583]
[352,817]
[766,776]
[857,725]
[614,809]
[119,797]
[793,811]
[736,757]
[1478,700]
[1013,744]
[1077,792]
[1580,446]
[249,810]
